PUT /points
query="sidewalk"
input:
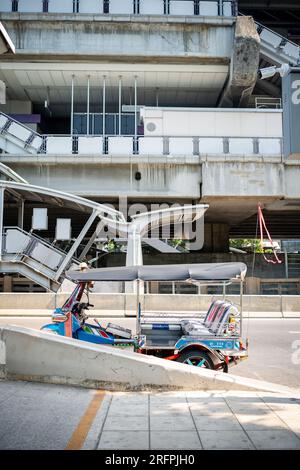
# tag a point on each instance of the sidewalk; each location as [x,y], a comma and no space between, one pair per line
[58,417]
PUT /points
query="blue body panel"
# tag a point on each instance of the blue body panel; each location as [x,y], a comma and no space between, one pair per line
[79,333]
[214,343]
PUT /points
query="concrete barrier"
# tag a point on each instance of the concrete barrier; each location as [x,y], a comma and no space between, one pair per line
[31,355]
[291,306]
[125,304]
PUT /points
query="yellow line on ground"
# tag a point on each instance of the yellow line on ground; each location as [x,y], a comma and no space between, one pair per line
[79,435]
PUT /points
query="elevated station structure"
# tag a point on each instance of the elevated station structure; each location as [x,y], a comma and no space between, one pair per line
[155,101]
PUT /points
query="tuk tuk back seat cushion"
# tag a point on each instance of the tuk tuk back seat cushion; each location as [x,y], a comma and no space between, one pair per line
[215,321]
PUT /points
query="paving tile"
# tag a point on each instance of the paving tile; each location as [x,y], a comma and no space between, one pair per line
[176,440]
[208,408]
[138,409]
[260,422]
[130,398]
[173,408]
[217,422]
[119,440]
[172,422]
[276,439]
[291,419]
[133,423]
[225,441]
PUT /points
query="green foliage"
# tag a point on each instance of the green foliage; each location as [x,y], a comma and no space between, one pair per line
[248,244]
[112,246]
[176,242]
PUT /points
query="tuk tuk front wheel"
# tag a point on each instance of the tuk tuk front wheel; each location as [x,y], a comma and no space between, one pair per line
[197,358]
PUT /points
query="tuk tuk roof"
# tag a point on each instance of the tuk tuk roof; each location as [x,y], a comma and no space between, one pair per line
[167,272]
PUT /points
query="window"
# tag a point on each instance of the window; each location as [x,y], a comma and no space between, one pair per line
[45,6]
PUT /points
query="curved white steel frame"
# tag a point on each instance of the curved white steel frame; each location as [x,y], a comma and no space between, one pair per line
[133,230]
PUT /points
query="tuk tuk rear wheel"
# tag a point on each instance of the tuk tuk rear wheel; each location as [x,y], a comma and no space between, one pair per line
[196,358]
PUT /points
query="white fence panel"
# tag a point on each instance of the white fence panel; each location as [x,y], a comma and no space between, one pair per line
[271,38]
[90,145]
[270,146]
[241,146]
[182,7]
[60,6]
[211,145]
[37,142]
[19,131]
[59,145]
[227,9]
[3,121]
[6,5]
[120,145]
[125,7]
[209,9]
[151,7]
[16,241]
[30,6]
[292,50]
[91,6]
[181,146]
[46,256]
[151,146]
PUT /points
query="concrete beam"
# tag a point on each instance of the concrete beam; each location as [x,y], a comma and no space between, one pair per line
[121,37]
[35,356]
[244,64]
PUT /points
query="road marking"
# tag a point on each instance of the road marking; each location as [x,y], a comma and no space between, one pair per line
[294,332]
[79,435]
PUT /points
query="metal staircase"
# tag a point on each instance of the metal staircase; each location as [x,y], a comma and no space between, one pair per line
[32,257]
[276,48]
[17,138]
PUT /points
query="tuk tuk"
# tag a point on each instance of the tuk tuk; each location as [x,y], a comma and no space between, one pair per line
[211,339]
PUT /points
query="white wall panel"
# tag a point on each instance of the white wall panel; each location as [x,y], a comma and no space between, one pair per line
[151,7]
[182,7]
[202,123]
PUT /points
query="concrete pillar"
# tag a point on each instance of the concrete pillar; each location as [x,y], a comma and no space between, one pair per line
[7,283]
[252,286]
[216,238]
[244,64]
